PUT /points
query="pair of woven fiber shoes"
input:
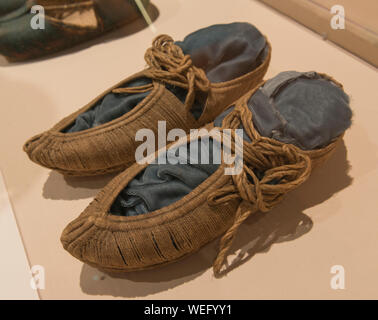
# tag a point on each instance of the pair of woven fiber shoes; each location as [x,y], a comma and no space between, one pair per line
[189,193]
[66,24]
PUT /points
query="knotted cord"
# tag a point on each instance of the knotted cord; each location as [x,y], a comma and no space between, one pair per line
[284,167]
[167,63]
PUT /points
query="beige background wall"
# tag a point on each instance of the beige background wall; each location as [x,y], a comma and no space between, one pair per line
[330,220]
[360,33]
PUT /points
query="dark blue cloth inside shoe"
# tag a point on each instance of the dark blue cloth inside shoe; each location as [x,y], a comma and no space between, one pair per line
[223,51]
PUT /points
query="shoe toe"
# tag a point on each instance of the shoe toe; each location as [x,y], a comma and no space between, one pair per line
[37,149]
[31,144]
[93,245]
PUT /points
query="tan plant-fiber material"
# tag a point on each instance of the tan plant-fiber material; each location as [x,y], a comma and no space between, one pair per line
[217,207]
[111,146]
[168,64]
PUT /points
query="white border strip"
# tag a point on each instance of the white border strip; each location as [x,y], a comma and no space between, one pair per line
[14,266]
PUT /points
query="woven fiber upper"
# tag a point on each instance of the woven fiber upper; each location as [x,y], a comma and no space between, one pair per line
[216,207]
[111,146]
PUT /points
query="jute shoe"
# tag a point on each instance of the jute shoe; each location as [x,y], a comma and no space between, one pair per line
[66,24]
[187,84]
[154,214]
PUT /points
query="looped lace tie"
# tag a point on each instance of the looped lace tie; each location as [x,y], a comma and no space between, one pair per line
[167,63]
[270,170]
